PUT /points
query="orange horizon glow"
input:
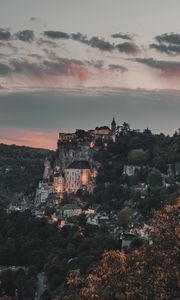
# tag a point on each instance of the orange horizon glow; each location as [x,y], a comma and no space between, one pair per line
[30,138]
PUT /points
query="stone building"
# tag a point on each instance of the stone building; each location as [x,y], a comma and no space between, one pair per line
[79,145]
[70,210]
[77,176]
[43,191]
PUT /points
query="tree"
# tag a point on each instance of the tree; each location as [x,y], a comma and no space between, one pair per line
[46,295]
[151,272]
[155,267]
[3,296]
[100,284]
[138,156]
[135,143]
[125,128]
[125,217]
[154,178]
[80,133]
[160,164]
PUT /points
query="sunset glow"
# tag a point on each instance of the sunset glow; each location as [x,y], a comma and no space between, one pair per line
[29,138]
[49,60]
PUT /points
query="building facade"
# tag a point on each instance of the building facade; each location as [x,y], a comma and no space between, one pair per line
[77,176]
[70,210]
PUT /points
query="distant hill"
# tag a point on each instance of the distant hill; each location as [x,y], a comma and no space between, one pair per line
[20,169]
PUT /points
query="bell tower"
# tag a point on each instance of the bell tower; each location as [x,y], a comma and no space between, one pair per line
[113,125]
[113,129]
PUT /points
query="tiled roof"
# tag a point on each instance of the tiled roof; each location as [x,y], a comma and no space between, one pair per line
[102,128]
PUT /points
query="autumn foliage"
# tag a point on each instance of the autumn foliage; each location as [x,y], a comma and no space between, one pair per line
[150,273]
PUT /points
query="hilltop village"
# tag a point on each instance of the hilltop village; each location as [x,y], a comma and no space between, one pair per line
[74,167]
[72,170]
[109,176]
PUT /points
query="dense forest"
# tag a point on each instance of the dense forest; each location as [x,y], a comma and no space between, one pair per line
[31,242]
[20,170]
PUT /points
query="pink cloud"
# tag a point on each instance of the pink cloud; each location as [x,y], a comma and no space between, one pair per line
[81,72]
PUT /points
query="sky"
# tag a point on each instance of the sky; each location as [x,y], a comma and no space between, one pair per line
[67,64]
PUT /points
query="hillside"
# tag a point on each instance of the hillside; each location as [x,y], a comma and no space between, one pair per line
[20,169]
[137,184]
[140,169]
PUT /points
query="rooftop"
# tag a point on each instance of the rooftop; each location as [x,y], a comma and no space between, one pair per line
[102,128]
[70,206]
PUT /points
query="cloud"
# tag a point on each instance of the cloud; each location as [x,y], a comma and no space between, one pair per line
[82,73]
[59,68]
[168,49]
[9,45]
[25,35]
[114,67]
[96,42]
[54,56]
[33,19]
[5,34]
[12,47]
[68,67]
[79,37]
[76,61]
[128,48]
[26,68]
[5,70]
[123,36]
[168,68]
[93,42]
[4,56]
[56,34]
[167,43]
[51,54]
[171,38]
[98,64]
[45,70]
[34,55]
[47,43]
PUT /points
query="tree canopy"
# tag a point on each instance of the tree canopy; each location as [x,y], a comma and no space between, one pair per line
[152,272]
